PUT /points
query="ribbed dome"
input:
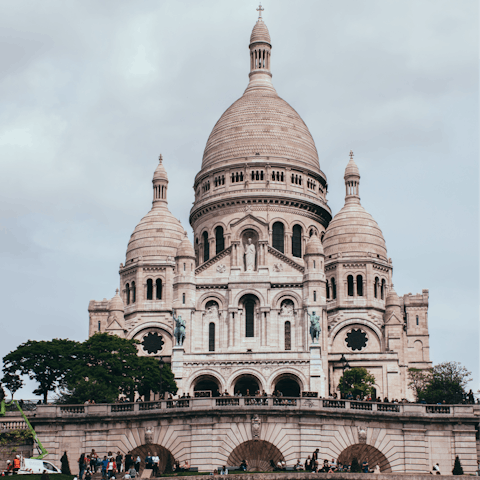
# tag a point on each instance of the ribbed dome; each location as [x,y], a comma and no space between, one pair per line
[260,33]
[352,169]
[160,172]
[185,249]
[314,246]
[260,122]
[116,303]
[353,232]
[157,236]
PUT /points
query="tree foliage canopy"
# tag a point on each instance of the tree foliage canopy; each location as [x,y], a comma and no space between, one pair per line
[100,369]
[444,382]
[357,381]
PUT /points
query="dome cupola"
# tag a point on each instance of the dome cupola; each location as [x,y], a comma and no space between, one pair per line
[353,232]
[116,303]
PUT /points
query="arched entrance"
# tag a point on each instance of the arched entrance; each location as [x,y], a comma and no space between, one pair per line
[362,451]
[166,458]
[207,383]
[246,385]
[258,453]
[288,385]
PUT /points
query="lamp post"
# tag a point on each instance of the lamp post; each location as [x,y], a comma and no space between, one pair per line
[161,362]
[345,365]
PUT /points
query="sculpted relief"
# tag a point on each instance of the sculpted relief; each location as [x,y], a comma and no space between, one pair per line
[211,311]
[250,241]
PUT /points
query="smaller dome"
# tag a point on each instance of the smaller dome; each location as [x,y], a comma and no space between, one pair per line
[116,303]
[260,33]
[160,172]
[392,299]
[185,249]
[314,246]
[352,170]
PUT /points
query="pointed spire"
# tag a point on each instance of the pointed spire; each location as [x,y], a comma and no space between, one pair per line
[352,181]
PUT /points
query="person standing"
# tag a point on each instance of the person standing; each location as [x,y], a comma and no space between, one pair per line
[81,466]
[365,466]
[138,461]
[119,462]
[93,461]
[104,467]
[155,463]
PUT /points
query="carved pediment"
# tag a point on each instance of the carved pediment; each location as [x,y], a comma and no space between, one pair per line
[216,259]
[281,259]
[393,320]
[251,218]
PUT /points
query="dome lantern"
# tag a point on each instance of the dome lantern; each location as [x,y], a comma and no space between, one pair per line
[352,181]
[160,183]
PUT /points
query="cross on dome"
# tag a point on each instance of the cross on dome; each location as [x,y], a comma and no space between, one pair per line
[160,158]
[351,154]
[260,9]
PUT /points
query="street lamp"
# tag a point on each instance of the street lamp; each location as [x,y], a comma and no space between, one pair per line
[345,365]
[161,362]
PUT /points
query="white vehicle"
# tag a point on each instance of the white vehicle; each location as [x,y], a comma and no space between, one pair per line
[33,465]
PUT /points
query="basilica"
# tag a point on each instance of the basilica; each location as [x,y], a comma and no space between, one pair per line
[267,259]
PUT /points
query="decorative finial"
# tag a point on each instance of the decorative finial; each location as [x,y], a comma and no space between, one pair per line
[351,154]
[160,158]
[116,291]
[260,9]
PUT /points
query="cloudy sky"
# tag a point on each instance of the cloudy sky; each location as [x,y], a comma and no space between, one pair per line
[92,91]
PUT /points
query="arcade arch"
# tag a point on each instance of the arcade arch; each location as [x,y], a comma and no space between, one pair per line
[247,384]
[288,384]
[207,383]
[363,451]
[259,455]
[166,462]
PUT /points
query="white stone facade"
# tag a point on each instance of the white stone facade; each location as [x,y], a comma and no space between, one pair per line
[266,255]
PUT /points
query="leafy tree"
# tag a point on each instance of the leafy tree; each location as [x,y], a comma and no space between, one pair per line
[457,467]
[418,380]
[357,381]
[46,362]
[444,382]
[168,380]
[108,366]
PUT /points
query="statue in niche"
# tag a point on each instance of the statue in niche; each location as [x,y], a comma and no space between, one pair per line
[256,427]
[250,255]
[286,309]
[180,329]
[211,311]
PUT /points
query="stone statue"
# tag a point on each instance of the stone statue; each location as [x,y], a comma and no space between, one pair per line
[149,435]
[286,309]
[179,332]
[315,329]
[256,427]
[250,256]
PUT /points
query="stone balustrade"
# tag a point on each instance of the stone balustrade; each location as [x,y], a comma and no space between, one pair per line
[256,403]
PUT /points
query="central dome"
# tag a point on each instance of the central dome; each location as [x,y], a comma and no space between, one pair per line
[260,122]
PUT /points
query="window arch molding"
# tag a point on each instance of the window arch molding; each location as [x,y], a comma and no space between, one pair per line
[202,373]
[286,372]
[244,293]
[237,229]
[332,335]
[143,329]
[201,304]
[280,297]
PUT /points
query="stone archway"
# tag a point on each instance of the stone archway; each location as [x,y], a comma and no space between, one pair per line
[207,383]
[166,458]
[247,385]
[362,451]
[258,453]
[289,385]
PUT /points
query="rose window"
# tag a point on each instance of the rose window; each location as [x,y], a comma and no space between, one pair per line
[153,342]
[356,339]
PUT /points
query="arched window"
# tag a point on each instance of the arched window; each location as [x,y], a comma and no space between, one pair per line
[359,286]
[134,292]
[334,289]
[183,298]
[417,319]
[206,247]
[127,291]
[211,337]
[314,295]
[312,231]
[219,240]
[278,236]
[99,326]
[288,336]
[297,241]
[249,318]
[149,289]
[382,289]
[328,290]
[350,286]
[375,287]
[158,284]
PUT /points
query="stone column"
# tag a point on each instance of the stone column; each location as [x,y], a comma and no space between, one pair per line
[317,380]
[177,366]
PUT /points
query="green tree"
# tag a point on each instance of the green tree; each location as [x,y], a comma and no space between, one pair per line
[168,380]
[417,381]
[446,383]
[457,467]
[355,467]
[46,362]
[357,381]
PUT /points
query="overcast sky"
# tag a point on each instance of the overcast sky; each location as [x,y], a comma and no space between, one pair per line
[92,91]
